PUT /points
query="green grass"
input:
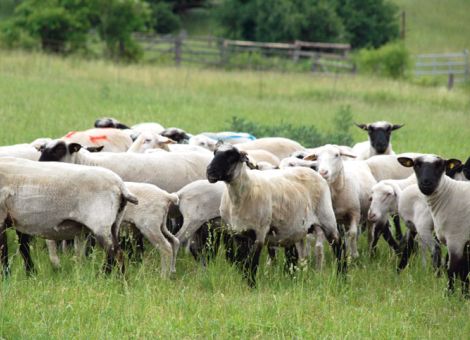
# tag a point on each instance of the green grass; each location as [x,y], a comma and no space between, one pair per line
[46,96]
[434,26]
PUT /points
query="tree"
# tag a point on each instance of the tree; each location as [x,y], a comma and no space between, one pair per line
[369,23]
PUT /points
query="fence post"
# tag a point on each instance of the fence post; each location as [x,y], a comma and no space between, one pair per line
[403,25]
[450,82]
[178,44]
[467,66]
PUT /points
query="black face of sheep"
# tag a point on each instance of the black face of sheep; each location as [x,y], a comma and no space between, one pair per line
[57,150]
[110,123]
[223,165]
[428,170]
[379,134]
[178,135]
[466,169]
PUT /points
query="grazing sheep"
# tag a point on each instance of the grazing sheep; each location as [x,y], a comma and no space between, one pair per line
[449,202]
[110,123]
[276,207]
[58,201]
[379,140]
[278,146]
[350,184]
[169,171]
[112,140]
[178,135]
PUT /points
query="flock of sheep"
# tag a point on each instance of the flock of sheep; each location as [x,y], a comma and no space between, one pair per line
[178,190]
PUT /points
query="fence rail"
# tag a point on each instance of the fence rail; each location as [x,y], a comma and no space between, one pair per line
[209,50]
[455,65]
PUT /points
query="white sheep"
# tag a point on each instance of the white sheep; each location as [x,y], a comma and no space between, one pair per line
[276,207]
[112,140]
[387,166]
[379,140]
[59,201]
[350,184]
[169,171]
[449,202]
[278,146]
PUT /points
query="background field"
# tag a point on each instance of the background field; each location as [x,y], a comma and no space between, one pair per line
[45,96]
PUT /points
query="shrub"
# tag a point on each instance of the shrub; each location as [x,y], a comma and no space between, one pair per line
[59,25]
[308,136]
[116,21]
[391,60]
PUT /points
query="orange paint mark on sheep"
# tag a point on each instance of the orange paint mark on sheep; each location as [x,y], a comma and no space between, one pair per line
[70,134]
[95,139]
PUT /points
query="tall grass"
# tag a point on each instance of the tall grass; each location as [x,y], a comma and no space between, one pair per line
[45,96]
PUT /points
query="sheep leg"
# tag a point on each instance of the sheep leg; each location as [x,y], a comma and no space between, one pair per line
[387,235]
[464,270]
[396,223]
[292,257]
[436,257]
[25,252]
[53,257]
[158,240]
[251,266]
[453,270]
[319,251]
[339,249]
[408,249]
[377,229]
[352,238]
[271,254]
[4,249]
[175,244]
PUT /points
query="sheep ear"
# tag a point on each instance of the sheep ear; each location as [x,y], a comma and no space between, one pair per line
[311,157]
[74,147]
[452,163]
[219,143]
[397,126]
[122,126]
[166,140]
[251,165]
[347,154]
[95,148]
[244,156]
[406,162]
[362,126]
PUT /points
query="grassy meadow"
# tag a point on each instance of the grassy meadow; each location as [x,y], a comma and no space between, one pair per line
[48,96]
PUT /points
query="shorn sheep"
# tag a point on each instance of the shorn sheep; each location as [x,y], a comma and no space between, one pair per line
[275,207]
[449,202]
[59,201]
[379,140]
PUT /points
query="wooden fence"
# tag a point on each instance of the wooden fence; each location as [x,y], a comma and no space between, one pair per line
[208,50]
[455,66]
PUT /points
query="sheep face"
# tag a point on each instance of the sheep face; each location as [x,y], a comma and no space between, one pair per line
[429,170]
[382,201]
[147,140]
[178,135]
[329,161]
[59,151]
[379,134]
[109,123]
[226,164]
[203,141]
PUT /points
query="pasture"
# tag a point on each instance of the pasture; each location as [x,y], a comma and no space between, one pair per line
[46,96]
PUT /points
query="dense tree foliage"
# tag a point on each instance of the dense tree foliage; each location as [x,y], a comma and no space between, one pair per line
[360,22]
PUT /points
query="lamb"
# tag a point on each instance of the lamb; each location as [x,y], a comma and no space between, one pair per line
[278,146]
[449,202]
[112,140]
[350,184]
[167,170]
[275,207]
[91,199]
[379,140]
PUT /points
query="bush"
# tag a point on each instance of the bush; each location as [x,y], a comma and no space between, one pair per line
[116,21]
[308,136]
[392,60]
[163,19]
[369,23]
[59,25]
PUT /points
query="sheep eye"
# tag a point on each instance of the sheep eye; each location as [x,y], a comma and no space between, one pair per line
[337,155]
[148,140]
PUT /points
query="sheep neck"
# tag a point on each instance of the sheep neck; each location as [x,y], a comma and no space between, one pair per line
[437,200]
[84,159]
[338,183]
[239,187]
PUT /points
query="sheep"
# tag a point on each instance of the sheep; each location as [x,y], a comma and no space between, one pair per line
[148,140]
[449,202]
[461,172]
[258,155]
[301,154]
[277,207]
[148,127]
[26,151]
[387,167]
[110,123]
[293,161]
[278,146]
[203,141]
[178,135]
[350,184]
[379,140]
[58,201]
[167,170]
[113,140]
[383,203]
